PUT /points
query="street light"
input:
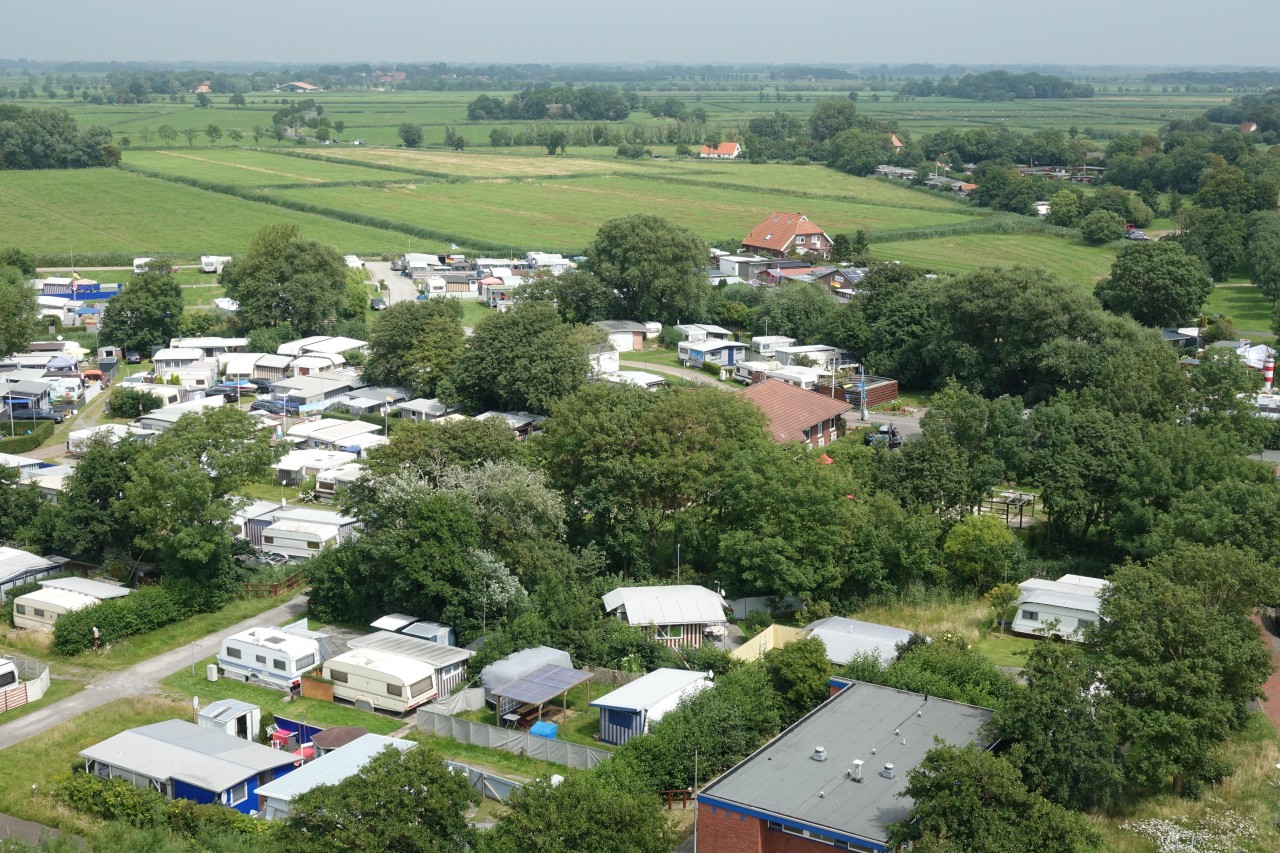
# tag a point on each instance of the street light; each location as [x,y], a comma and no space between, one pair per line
[193,656]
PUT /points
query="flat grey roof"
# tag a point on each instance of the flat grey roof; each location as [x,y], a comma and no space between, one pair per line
[84,586]
[332,768]
[846,638]
[782,779]
[425,651]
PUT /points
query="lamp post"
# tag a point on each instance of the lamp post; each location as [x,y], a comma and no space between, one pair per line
[193,657]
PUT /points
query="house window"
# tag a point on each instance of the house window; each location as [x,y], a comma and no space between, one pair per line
[233,653]
[279,664]
[395,690]
[670,632]
[1031,615]
[800,241]
[338,676]
[262,659]
[239,793]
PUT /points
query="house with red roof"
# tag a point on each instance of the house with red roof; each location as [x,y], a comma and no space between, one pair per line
[896,143]
[1248,126]
[297,86]
[796,414]
[205,88]
[723,151]
[782,232]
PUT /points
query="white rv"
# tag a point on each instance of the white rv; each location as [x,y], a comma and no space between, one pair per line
[272,657]
[8,674]
[386,681]
[213,263]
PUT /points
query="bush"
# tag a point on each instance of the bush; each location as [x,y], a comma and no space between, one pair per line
[26,443]
[111,799]
[756,621]
[1102,226]
[143,610]
[670,337]
[128,402]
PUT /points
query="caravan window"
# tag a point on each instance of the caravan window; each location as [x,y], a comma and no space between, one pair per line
[21,608]
[37,612]
[279,664]
[304,662]
[1031,615]
[313,546]
[421,687]
[270,540]
[395,690]
[7,678]
[233,652]
[338,675]
[262,659]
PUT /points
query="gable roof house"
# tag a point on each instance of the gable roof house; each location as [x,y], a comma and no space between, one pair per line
[678,615]
[836,777]
[723,151]
[798,415]
[184,761]
[782,232]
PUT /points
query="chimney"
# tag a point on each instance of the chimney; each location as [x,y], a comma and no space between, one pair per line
[887,772]
[819,753]
[855,772]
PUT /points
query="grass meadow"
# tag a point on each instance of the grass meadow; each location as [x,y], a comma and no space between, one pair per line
[1248,309]
[1068,258]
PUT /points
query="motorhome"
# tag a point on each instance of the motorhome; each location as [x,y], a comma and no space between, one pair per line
[271,657]
[388,682]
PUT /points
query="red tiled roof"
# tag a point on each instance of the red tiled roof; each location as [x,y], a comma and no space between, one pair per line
[790,409]
[777,232]
[724,149]
[1248,126]
[895,141]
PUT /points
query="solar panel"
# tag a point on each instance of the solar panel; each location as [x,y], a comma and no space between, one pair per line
[543,684]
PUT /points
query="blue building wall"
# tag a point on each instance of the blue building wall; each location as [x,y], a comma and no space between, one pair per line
[617,726]
[184,791]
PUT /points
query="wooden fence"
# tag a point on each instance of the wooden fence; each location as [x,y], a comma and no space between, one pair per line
[271,590]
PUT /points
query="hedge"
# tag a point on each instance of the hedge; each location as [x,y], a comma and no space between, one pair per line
[26,443]
[143,610]
[118,800]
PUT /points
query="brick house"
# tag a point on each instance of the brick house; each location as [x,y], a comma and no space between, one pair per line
[798,415]
[834,778]
[782,232]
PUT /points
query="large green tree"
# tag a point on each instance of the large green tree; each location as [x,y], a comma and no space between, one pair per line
[1158,284]
[800,673]
[656,268]
[284,280]
[146,313]
[18,310]
[524,359]
[415,344]
[403,802]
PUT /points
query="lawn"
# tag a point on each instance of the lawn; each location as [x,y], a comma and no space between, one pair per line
[1069,259]
[108,210]
[239,167]
[59,688]
[565,215]
[583,720]
[133,650]
[184,685]
[517,767]
[1244,304]
[474,312]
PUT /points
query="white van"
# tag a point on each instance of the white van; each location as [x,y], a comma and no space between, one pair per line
[271,657]
[213,263]
[386,681]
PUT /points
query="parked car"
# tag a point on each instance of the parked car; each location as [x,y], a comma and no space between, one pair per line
[378,304]
[260,386]
[397,264]
[1136,235]
[885,435]
[36,415]
[222,391]
[275,407]
[133,357]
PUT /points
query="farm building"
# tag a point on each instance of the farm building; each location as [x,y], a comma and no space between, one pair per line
[678,615]
[231,717]
[186,762]
[628,711]
[1071,601]
[781,232]
[19,567]
[723,151]
[276,797]
[798,415]
[39,609]
[836,777]
[846,639]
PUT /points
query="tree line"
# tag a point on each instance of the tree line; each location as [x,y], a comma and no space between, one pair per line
[51,139]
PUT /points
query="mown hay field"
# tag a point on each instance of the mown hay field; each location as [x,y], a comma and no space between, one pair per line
[240,167]
[1067,258]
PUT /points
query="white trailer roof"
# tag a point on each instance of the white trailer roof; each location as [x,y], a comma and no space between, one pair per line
[643,693]
[667,605]
[426,651]
[84,586]
[331,768]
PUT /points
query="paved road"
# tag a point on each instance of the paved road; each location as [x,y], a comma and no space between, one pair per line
[908,425]
[140,679]
[400,288]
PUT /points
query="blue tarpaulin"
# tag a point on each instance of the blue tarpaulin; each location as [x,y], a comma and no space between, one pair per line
[544,729]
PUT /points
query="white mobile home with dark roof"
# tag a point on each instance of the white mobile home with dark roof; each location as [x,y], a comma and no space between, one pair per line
[272,657]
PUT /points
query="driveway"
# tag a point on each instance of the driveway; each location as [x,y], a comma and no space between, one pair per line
[399,288]
[141,679]
[907,424]
[696,376]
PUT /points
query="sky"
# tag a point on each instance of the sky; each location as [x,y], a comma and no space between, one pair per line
[988,32]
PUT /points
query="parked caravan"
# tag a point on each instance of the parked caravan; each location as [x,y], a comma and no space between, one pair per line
[271,657]
[213,263]
[8,674]
[140,264]
[388,682]
[39,609]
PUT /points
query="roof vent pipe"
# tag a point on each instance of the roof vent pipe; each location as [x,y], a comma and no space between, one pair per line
[819,753]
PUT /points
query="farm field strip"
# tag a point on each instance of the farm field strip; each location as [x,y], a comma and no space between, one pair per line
[109,210]
[239,167]
[1069,259]
[566,214]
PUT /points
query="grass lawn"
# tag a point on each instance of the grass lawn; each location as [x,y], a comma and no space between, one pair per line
[474,312]
[238,167]
[663,357]
[1069,259]
[109,210]
[132,650]
[59,688]
[184,685]
[518,767]
[969,618]
[1243,303]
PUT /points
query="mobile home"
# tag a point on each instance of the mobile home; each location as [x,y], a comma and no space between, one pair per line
[386,681]
[39,609]
[8,674]
[272,657]
[213,263]
[449,662]
[629,710]
[1063,608]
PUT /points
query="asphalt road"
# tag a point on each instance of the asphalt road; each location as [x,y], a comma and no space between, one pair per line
[399,288]
[141,679]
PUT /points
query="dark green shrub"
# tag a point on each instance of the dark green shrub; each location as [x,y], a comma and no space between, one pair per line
[111,799]
[143,610]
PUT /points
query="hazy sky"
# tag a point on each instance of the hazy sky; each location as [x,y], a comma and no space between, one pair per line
[1174,32]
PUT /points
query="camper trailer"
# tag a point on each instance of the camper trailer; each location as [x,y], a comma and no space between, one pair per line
[39,609]
[213,263]
[386,681]
[271,657]
[8,674]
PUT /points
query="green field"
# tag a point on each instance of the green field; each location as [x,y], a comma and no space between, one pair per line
[107,210]
[240,167]
[1068,258]
[1248,309]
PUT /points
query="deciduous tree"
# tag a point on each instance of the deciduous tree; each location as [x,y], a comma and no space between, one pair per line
[1157,284]
[146,313]
[285,280]
[655,267]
